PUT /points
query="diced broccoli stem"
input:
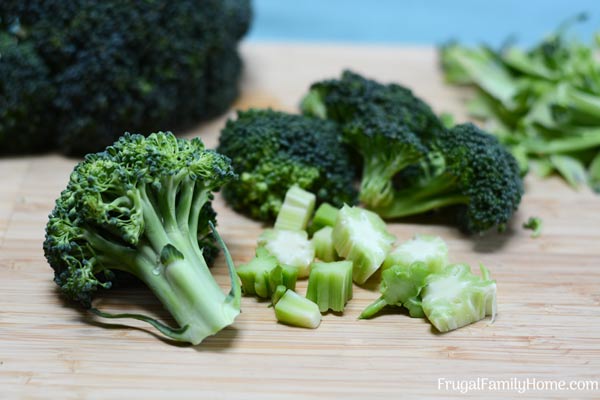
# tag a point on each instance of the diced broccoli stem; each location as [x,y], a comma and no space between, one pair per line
[437,193]
[361,236]
[262,275]
[323,243]
[330,285]
[373,308]
[293,309]
[431,250]
[291,248]
[325,215]
[296,210]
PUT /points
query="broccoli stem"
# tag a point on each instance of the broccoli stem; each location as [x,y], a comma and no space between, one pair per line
[438,192]
[376,189]
[171,264]
[373,308]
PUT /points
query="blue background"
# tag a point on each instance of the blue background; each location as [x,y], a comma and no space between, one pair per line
[426,22]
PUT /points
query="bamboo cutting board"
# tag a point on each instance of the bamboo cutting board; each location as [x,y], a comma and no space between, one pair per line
[548,325]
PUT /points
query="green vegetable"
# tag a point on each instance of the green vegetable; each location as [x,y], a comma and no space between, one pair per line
[296,210]
[383,123]
[290,248]
[543,103]
[323,242]
[325,215]
[273,151]
[361,236]
[411,163]
[455,297]
[330,285]
[142,207]
[263,274]
[535,224]
[401,285]
[77,74]
[431,250]
[293,309]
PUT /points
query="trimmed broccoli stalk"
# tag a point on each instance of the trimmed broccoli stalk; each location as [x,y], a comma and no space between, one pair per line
[431,250]
[140,207]
[455,297]
[330,285]
[262,275]
[474,172]
[323,242]
[293,309]
[535,225]
[296,210]
[290,248]
[360,236]
[273,151]
[325,215]
[401,285]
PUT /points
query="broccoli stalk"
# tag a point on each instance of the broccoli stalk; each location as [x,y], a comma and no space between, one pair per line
[139,207]
[293,309]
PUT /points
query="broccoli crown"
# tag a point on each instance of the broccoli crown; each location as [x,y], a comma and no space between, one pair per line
[386,124]
[142,206]
[115,66]
[272,151]
[24,92]
[471,171]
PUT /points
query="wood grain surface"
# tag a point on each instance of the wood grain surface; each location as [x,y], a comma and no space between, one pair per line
[548,325]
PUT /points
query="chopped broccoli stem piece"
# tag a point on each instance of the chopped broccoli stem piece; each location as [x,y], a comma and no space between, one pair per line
[431,250]
[296,209]
[361,236]
[293,309]
[535,224]
[401,285]
[330,285]
[456,297]
[325,215]
[291,248]
[323,242]
[263,274]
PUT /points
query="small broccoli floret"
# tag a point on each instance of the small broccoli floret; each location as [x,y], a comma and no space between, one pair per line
[293,309]
[290,248]
[386,124]
[401,285]
[263,274]
[296,210]
[324,247]
[431,250]
[474,172]
[455,297]
[361,236]
[325,215]
[535,225]
[273,151]
[330,285]
[103,67]
[140,207]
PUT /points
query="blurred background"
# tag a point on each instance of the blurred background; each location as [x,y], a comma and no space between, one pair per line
[413,22]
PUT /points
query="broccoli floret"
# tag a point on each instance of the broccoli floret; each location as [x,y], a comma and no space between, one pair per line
[140,207]
[114,66]
[272,151]
[386,124]
[476,174]
[535,225]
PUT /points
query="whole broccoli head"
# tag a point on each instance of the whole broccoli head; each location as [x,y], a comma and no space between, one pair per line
[471,171]
[272,151]
[387,125]
[142,207]
[113,66]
